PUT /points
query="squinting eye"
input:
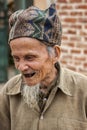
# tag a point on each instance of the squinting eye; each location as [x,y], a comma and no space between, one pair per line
[16,59]
[29,58]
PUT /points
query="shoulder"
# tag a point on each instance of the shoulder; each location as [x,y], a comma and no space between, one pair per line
[75,76]
[77,82]
[11,84]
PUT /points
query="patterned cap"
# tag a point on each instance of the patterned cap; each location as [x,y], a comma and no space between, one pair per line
[35,23]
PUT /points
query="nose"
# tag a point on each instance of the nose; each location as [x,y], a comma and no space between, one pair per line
[22,67]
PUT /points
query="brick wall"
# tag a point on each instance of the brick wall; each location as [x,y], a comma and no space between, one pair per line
[73,15]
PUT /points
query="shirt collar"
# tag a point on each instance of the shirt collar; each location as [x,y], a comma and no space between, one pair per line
[64,82]
[14,85]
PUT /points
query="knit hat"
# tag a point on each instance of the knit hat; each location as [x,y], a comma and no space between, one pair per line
[35,23]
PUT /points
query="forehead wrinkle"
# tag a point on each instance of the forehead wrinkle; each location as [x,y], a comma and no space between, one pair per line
[28,46]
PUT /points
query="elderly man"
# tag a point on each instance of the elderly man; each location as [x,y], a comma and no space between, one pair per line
[44,96]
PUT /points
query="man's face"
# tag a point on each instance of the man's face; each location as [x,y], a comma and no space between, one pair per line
[32,59]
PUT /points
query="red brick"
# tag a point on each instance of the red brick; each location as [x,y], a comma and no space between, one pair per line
[65,25]
[64,50]
[77,63]
[65,7]
[80,58]
[67,57]
[83,33]
[85,26]
[85,51]
[63,61]
[75,1]
[86,13]
[76,13]
[85,65]
[71,31]
[82,46]
[58,7]
[76,26]
[62,1]
[82,20]
[70,44]
[81,7]
[75,51]
[75,38]
[64,38]
[63,13]
[85,39]
[70,20]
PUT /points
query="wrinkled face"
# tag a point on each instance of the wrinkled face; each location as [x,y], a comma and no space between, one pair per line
[32,59]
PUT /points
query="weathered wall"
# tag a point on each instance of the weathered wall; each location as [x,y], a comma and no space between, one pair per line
[73,15]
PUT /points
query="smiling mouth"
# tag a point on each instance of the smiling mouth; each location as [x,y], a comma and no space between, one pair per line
[29,75]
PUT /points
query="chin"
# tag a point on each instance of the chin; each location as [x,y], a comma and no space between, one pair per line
[31,83]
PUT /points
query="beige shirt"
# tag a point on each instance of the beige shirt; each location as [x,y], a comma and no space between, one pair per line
[65,109]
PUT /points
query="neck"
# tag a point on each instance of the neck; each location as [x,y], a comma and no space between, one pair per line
[50,77]
[47,84]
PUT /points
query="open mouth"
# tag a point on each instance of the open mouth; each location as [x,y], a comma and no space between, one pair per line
[29,75]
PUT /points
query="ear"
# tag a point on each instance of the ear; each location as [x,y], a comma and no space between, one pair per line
[57,50]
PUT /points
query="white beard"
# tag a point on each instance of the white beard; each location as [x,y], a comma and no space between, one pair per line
[30,95]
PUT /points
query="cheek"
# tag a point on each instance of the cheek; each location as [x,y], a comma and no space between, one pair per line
[35,65]
[16,65]
[47,67]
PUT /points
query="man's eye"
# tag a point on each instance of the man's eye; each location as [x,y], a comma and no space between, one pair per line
[16,59]
[30,58]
